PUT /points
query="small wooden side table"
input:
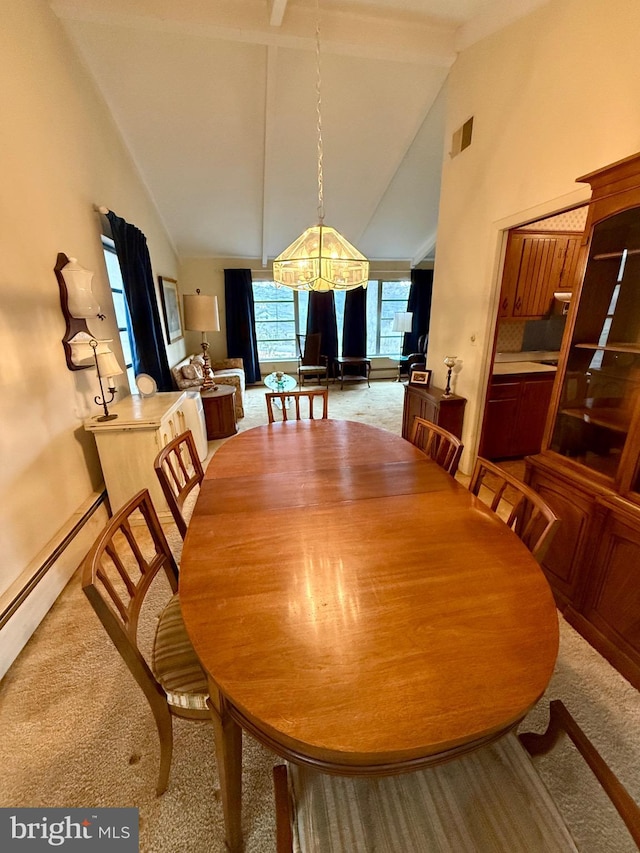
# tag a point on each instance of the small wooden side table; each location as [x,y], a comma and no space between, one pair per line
[220,412]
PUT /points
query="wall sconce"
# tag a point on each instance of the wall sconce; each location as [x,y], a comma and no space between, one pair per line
[78,304]
[106,367]
[201,315]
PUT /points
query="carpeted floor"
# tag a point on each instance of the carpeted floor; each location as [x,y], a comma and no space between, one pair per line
[77,732]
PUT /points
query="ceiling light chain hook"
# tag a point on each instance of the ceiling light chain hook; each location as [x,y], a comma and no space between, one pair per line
[319,119]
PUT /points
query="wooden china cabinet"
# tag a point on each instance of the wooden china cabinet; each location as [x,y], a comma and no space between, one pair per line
[589,468]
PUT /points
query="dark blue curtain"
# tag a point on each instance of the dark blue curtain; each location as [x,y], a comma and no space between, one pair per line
[354,329]
[321,317]
[241,321]
[419,303]
[148,350]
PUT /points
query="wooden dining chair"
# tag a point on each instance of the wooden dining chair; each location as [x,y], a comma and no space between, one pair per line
[284,398]
[311,363]
[491,799]
[179,471]
[437,443]
[117,574]
[516,503]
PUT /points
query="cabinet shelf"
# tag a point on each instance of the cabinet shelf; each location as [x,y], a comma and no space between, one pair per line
[628,348]
[610,418]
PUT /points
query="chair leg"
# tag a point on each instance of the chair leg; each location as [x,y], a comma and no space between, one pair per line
[284,835]
[164,724]
[560,720]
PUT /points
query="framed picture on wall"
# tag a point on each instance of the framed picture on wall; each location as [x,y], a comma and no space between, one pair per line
[170,308]
[420,377]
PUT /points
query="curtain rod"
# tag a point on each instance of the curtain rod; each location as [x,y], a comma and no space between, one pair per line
[100,209]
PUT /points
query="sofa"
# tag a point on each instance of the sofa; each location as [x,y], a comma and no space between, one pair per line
[187,374]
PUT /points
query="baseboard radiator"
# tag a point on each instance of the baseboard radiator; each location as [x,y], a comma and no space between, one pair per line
[29,598]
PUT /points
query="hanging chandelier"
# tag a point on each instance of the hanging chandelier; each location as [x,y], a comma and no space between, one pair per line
[321,258]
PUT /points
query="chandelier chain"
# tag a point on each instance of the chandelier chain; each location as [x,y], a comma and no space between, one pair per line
[319,119]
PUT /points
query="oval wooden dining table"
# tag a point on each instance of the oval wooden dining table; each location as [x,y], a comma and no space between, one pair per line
[355,607]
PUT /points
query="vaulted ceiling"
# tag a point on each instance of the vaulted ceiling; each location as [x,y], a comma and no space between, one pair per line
[216,102]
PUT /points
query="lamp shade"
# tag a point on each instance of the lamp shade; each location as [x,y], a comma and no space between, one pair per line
[402,321]
[108,363]
[321,259]
[201,313]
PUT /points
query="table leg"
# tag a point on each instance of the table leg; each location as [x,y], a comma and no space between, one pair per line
[228,737]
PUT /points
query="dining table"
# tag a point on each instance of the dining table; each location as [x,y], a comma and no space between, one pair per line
[355,607]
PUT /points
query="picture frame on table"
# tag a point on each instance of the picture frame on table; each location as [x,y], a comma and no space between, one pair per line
[420,377]
[170,301]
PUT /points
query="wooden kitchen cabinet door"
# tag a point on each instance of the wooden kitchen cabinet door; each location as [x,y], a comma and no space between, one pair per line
[536,265]
[515,416]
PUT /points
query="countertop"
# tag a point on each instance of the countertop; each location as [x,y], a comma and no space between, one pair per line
[137,412]
[513,367]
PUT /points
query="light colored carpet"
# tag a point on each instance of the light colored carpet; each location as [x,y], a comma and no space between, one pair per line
[76,730]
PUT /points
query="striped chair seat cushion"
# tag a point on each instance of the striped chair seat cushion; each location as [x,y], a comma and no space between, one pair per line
[488,801]
[175,663]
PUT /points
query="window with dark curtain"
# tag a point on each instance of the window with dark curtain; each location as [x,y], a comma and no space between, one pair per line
[241,321]
[149,352]
[354,329]
[321,317]
[419,303]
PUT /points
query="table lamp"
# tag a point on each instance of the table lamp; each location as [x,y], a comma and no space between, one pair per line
[201,315]
[106,367]
[450,362]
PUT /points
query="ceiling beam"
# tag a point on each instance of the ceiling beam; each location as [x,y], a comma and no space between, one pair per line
[348,34]
[276,12]
[269,123]
[425,250]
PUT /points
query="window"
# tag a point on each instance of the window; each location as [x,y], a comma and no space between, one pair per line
[282,313]
[276,310]
[384,299]
[120,308]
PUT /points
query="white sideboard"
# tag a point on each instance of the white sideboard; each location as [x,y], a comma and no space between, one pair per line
[128,445]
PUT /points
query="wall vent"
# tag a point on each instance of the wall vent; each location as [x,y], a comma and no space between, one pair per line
[461,139]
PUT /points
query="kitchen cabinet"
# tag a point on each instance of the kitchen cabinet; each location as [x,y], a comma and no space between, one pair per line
[589,466]
[433,405]
[128,445]
[515,415]
[536,265]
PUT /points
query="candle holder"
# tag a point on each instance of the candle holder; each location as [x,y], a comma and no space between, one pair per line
[450,361]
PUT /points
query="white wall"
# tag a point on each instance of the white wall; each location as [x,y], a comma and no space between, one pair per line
[553,96]
[60,153]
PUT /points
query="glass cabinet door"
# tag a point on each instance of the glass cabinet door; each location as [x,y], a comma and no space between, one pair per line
[601,386]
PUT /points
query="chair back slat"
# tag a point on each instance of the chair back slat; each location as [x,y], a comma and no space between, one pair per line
[285,398]
[179,471]
[118,571]
[437,443]
[523,509]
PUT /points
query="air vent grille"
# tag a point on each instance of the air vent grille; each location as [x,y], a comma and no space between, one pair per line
[461,139]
